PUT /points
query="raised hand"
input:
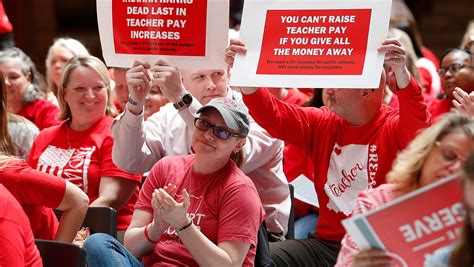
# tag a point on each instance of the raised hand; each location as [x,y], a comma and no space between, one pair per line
[138,82]
[168,78]
[396,58]
[235,46]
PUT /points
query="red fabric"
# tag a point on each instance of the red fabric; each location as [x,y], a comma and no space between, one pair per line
[360,156]
[307,91]
[295,97]
[37,193]
[82,157]
[296,163]
[229,211]
[427,53]
[426,81]
[16,238]
[439,106]
[41,112]
[5,25]
[117,106]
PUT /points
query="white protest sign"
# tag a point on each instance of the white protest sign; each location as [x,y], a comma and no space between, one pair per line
[304,190]
[312,43]
[189,33]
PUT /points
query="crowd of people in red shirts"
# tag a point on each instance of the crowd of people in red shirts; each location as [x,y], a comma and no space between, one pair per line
[198,171]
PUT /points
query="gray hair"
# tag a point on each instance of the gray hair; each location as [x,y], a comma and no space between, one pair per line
[35,90]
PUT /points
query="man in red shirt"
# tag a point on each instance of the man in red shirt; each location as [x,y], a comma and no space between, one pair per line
[352,143]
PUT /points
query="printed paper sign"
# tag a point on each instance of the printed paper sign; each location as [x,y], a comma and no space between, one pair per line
[180,30]
[413,226]
[312,44]
[305,191]
[336,46]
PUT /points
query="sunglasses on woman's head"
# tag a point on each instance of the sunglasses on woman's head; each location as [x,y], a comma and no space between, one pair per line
[219,132]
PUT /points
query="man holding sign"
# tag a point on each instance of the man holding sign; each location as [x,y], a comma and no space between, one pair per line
[352,144]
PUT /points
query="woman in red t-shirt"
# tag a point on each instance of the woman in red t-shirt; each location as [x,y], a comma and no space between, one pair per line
[196,209]
[80,149]
[25,89]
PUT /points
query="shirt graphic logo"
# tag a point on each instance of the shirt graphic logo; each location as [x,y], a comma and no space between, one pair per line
[347,177]
[71,164]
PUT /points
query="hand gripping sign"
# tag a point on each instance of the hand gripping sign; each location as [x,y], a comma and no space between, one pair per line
[308,43]
[189,33]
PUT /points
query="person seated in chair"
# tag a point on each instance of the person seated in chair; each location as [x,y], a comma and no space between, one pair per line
[198,209]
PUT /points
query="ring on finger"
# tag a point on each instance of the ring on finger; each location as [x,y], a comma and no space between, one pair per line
[162,211]
[157,74]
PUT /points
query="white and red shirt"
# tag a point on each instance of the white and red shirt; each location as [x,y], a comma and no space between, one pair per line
[224,205]
[82,157]
[347,159]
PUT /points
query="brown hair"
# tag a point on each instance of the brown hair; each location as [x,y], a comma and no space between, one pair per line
[6,143]
[463,253]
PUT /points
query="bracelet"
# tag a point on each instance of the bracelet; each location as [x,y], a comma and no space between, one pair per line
[184,227]
[132,101]
[148,237]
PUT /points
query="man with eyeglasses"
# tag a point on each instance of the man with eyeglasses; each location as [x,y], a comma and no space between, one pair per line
[139,144]
[455,71]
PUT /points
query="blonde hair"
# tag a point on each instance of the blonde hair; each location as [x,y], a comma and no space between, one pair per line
[90,62]
[72,45]
[407,167]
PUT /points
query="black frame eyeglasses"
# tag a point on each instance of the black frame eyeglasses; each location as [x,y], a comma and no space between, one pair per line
[219,132]
[453,69]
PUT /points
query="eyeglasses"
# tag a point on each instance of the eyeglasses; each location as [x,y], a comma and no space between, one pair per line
[219,132]
[453,69]
[450,156]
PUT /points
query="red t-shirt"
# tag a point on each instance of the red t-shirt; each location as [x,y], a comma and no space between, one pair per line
[295,164]
[16,239]
[230,211]
[295,97]
[440,106]
[82,157]
[347,159]
[41,112]
[37,193]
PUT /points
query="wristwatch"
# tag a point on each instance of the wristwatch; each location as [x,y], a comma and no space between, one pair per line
[184,102]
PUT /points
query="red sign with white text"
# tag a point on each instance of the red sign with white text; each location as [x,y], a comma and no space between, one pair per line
[417,226]
[314,42]
[143,27]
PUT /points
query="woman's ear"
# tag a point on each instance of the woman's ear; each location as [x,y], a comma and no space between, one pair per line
[239,145]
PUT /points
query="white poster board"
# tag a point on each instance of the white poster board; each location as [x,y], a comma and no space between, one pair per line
[190,34]
[312,43]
